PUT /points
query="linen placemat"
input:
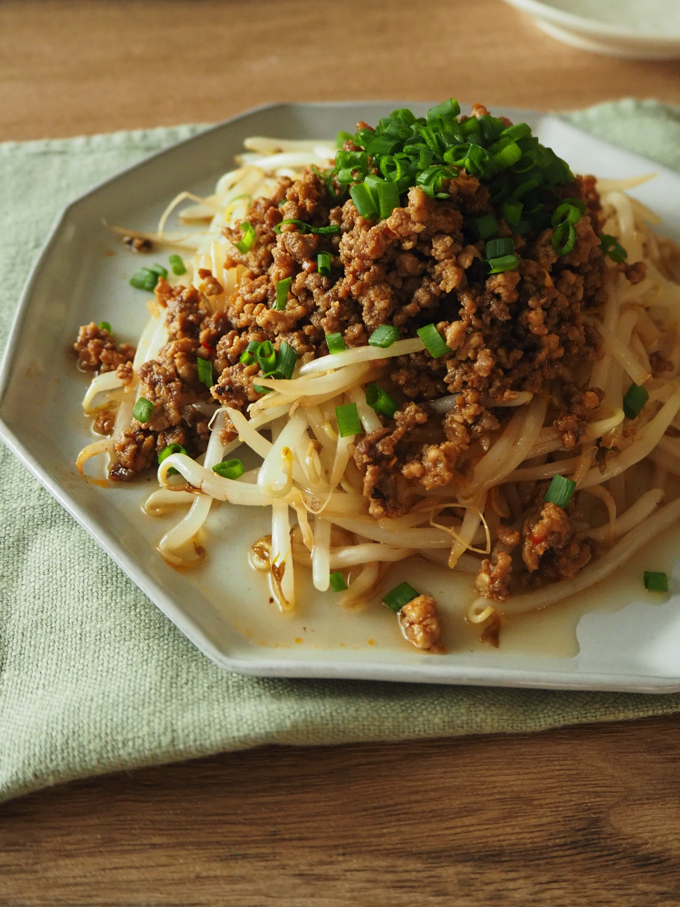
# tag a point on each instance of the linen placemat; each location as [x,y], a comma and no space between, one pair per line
[93,678]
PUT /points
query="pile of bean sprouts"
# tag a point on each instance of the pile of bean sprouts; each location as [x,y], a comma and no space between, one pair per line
[307,475]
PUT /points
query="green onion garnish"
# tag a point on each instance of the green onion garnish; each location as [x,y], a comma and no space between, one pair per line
[166,452]
[249,236]
[282,288]
[568,213]
[635,399]
[302,227]
[486,226]
[656,582]
[497,248]
[364,201]
[348,420]
[507,156]
[144,279]
[261,389]
[613,248]
[338,583]
[205,371]
[335,343]
[560,491]
[177,264]
[504,263]
[143,410]
[266,356]
[399,596]
[159,269]
[229,469]
[388,197]
[323,263]
[512,212]
[250,353]
[381,401]
[383,336]
[325,231]
[286,359]
[433,340]
[105,326]
[564,238]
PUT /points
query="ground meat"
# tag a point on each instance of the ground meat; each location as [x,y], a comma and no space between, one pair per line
[571,421]
[494,577]
[98,351]
[376,456]
[135,451]
[419,622]
[547,530]
[137,243]
[104,422]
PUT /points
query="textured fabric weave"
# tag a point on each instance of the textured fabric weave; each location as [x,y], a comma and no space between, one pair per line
[93,678]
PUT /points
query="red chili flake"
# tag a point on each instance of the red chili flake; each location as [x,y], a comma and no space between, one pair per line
[205,346]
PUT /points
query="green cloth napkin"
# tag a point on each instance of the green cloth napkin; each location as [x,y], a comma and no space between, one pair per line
[93,678]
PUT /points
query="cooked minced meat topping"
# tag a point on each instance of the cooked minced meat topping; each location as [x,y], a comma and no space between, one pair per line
[523,329]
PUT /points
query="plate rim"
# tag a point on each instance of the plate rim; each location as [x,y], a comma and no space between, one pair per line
[592,26]
[417,671]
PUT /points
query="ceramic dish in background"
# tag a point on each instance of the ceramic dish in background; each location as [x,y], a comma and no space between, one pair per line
[638,29]
[223,606]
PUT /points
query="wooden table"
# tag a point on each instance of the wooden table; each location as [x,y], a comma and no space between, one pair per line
[576,816]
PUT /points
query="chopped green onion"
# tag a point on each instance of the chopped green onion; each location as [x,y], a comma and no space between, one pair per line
[496,248]
[266,356]
[343,137]
[613,248]
[381,401]
[168,451]
[300,224]
[160,270]
[144,279]
[335,343]
[249,355]
[286,359]
[566,213]
[635,399]
[205,371]
[249,236]
[177,264]
[399,596]
[517,132]
[388,198]
[323,263]
[325,231]
[229,469]
[564,238]
[338,582]
[486,226]
[383,336]
[433,340]
[525,187]
[507,156]
[105,326]
[560,491]
[512,212]
[282,288]
[364,201]
[503,263]
[656,582]
[143,410]
[348,420]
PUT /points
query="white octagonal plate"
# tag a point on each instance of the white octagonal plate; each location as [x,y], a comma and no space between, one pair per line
[627,640]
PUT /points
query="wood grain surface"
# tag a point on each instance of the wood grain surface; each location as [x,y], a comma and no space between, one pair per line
[578,816]
[585,816]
